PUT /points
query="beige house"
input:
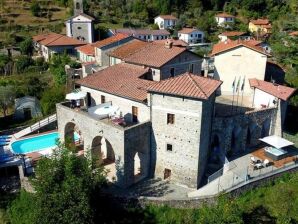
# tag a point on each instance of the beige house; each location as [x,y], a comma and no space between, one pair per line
[236,62]
[260,26]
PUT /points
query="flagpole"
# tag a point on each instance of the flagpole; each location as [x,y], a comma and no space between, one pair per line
[242,89]
[233,86]
[237,89]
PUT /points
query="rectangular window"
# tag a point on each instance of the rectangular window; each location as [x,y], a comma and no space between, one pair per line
[102,99]
[134,114]
[170,118]
[172,72]
[169,147]
[167,173]
[190,69]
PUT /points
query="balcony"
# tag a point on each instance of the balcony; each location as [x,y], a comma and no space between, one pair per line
[116,121]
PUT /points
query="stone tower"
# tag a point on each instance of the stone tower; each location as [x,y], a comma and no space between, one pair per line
[78,7]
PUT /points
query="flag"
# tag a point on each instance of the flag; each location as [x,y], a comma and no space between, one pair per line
[233,85]
[243,83]
[238,84]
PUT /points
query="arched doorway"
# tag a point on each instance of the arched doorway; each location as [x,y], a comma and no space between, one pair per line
[235,146]
[103,154]
[73,138]
[138,168]
[248,137]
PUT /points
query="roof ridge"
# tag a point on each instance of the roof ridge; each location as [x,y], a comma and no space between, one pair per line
[196,84]
[55,39]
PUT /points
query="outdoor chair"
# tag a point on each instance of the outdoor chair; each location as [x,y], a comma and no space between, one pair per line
[253,160]
[266,162]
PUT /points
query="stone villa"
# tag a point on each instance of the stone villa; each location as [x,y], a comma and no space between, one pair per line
[150,113]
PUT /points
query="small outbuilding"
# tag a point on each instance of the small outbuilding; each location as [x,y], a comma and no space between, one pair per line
[27,107]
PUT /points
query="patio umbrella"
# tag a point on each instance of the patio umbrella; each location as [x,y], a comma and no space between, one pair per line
[276,141]
[76,95]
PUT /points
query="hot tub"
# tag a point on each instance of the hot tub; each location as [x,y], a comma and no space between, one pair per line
[274,153]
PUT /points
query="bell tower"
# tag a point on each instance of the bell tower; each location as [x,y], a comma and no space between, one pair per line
[78,7]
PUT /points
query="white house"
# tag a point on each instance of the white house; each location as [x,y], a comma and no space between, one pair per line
[235,61]
[165,21]
[191,35]
[53,43]
[143,34]
[223,19]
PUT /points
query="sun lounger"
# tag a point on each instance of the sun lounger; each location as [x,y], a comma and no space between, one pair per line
[5,158]
[4,143]
[5,136]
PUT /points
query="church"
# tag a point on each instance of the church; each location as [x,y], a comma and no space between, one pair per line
[80,26]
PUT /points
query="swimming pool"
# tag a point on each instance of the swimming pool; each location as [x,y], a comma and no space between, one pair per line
[37,143]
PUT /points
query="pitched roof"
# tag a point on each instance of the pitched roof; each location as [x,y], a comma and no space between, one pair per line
[260,22]
[84,15]
[128,49]
[87,49]
[136,32]
[110,40]
[55,39]
[121,80]
[229,45]
[187,30]
[178,43]
[167,17]
[188,85]
[154,55]
[232,33]
[224,15]
[279,91]
[294,33]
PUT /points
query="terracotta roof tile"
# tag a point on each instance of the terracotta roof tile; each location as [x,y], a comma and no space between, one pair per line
[224,15]
[187,30]
[279,91]
[167,17]
[110,40]
[121,80]
[228,45]
[294,33]
[55,39]
[260,22]
[87,49]
[154,55]
[128,49]
[232,33]
[188,85]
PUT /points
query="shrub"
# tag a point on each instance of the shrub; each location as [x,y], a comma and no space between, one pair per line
[49,99]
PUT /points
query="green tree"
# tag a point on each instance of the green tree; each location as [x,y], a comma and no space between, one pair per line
[23,62]
[64,187]
[26,47]
[7,96]
[49,99]
[57,68]
[35,8]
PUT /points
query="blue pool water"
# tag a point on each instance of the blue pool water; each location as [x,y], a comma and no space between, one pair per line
[36,143]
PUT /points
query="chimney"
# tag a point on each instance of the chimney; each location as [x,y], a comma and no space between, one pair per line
[168,44]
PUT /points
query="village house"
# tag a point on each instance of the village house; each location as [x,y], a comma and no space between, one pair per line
[191,35]
[80,26]
[143,34]
[224,19]
[233,35]
[104,46]
[86,53]
[260,26]
[52,43]
[240,54]
[165,21]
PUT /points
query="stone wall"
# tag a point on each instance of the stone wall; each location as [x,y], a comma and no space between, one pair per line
[122,140]
[259,123]
[184,136]
[82,31]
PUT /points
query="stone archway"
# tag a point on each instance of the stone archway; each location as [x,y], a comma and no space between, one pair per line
[73,138]
[102,154]
[235,140]
[138,167]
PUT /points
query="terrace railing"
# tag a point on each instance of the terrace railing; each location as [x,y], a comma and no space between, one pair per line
[36,126]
